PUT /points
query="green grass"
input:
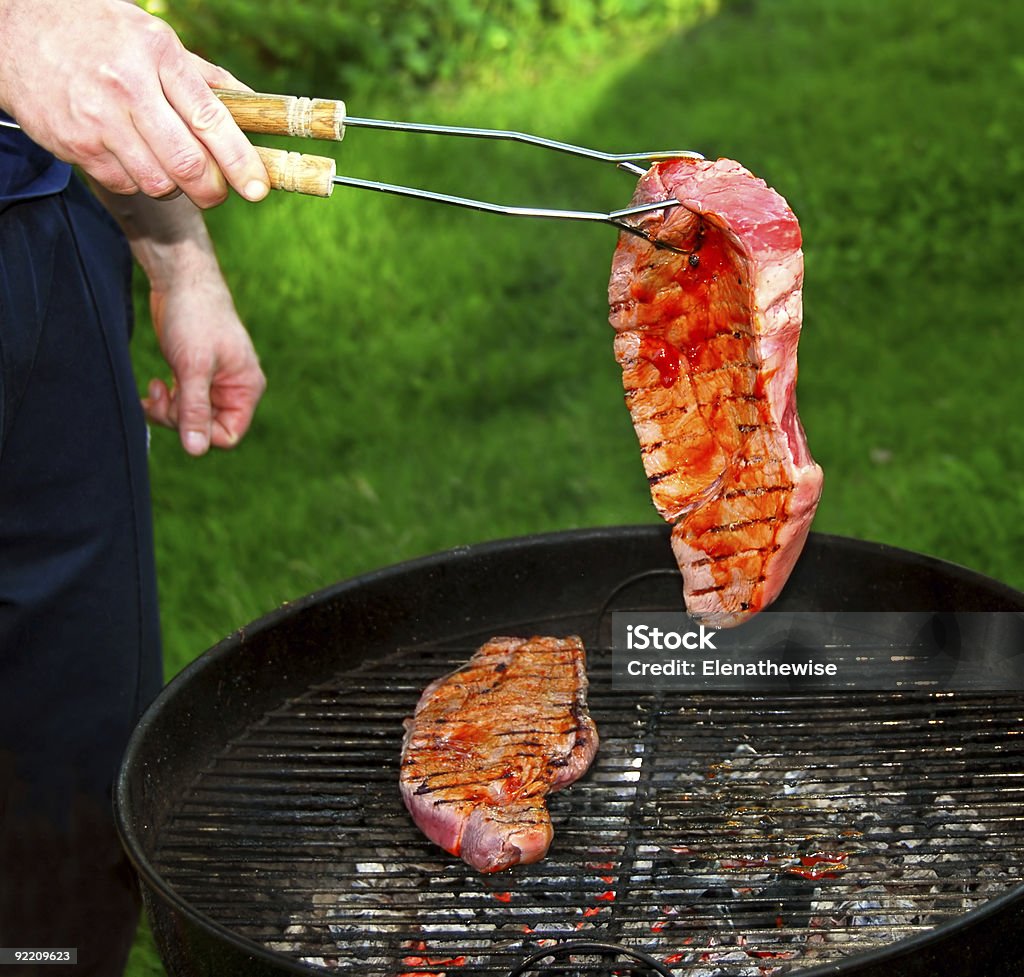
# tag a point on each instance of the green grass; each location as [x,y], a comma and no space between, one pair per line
[440,377]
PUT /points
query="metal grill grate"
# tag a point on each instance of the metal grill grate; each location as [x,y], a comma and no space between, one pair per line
[727,835]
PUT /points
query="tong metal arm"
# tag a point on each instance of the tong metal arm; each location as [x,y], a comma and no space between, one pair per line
[320,118]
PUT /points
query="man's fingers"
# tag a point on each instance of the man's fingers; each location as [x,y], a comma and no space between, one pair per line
[182,161]
[159,405]
[206,116]
[195,419]
[227,430]
[230,422]
[108,172]
[104,166]
[203,413]
[138,156]
[186,406]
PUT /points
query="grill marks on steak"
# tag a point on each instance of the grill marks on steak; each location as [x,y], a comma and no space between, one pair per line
[707,344]
[487,743]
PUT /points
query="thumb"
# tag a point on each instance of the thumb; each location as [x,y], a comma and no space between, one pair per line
[195,415]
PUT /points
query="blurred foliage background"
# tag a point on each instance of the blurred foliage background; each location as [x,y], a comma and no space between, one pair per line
[392,46]
[439,377]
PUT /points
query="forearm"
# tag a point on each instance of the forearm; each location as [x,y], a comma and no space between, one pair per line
[168,238]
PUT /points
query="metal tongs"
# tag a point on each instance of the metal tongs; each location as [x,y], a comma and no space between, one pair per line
[321,118]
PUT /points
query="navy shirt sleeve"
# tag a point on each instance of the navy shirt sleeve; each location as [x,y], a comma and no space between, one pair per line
[27,170]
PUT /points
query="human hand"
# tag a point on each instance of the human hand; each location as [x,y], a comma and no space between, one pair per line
[217,377]
[110,88]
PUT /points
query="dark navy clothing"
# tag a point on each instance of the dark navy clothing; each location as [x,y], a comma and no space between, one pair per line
[79,634]
[27,170]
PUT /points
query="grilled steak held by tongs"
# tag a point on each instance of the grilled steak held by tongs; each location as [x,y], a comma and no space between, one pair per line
[706,334]
[490,741]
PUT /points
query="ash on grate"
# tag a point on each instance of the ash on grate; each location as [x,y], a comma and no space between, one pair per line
[778,868]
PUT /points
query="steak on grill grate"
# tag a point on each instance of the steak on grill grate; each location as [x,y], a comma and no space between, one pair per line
[707,343]
[487,743]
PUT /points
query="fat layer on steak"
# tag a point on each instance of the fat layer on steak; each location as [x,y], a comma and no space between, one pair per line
[488,742]
[707,342]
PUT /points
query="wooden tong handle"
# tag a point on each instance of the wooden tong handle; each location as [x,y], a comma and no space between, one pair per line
[285,115]
[289,115]
[298,172]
